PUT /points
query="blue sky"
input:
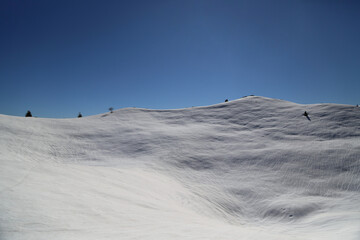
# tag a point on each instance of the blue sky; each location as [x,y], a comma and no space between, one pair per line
[58,58]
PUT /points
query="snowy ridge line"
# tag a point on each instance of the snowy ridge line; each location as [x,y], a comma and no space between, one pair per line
[254,167]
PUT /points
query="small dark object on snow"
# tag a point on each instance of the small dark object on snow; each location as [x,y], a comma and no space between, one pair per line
[28,114]
[111,109]
[80,115]
[226,100]
[307,116]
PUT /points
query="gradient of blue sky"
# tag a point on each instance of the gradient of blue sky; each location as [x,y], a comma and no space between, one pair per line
[58,58]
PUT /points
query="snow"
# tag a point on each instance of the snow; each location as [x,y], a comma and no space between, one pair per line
[253,168]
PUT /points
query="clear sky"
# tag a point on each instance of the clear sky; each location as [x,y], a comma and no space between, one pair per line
[58,58]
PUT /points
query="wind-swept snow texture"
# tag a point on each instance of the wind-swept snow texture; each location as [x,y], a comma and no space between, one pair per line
[254,168]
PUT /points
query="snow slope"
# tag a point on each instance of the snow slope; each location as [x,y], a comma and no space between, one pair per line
[253,168]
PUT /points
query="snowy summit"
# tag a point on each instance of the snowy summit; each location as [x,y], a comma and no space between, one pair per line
[253,168]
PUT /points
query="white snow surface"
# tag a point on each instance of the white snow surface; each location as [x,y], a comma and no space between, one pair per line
[253,168]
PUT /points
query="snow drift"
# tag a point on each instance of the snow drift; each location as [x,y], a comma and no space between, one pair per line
[254,168]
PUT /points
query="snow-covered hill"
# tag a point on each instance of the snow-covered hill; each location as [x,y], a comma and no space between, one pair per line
[253,168]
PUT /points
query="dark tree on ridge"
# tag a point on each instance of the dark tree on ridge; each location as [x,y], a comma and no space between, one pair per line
[28,114]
